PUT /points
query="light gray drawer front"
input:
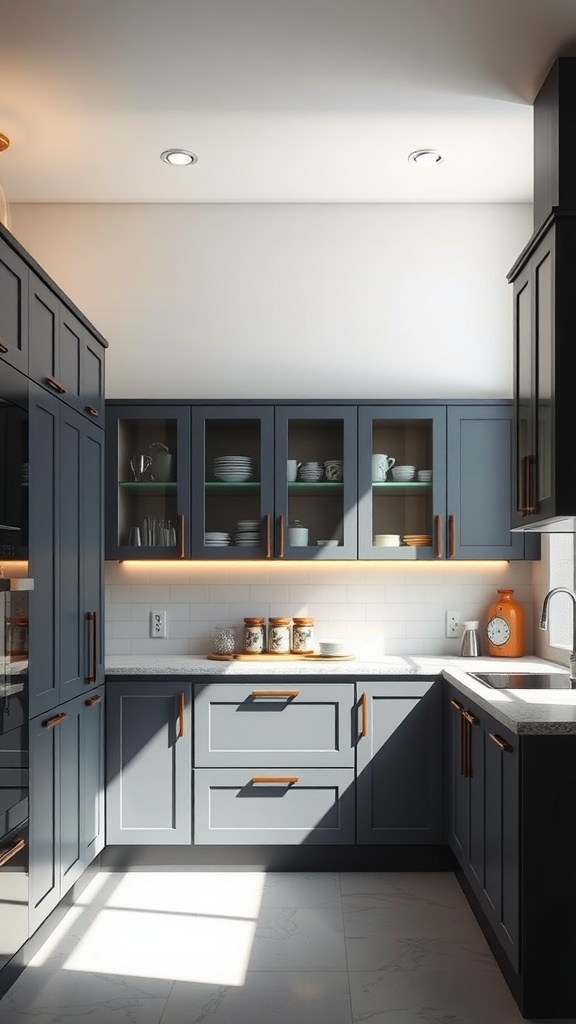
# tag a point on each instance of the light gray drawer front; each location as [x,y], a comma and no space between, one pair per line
[317,808]
[307,725]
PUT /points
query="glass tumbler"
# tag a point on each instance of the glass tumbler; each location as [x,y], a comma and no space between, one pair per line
[224,639]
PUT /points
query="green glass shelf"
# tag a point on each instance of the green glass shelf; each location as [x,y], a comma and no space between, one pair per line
[407,487]
[148,487]
[231,487]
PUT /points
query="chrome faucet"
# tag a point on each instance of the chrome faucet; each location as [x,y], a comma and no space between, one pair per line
[544,623]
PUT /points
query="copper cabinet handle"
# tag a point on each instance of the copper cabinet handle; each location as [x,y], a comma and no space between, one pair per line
[280,536]
[181,539]
[276,693]
[91,410]
[181,714]
[463,745]
[14,849]
[439,546]
[282,780]
[3,346]
[364,706]
[456,705]
[93,628]
[522,508]
[469,718]
[92,701]
[499,741]
[268,549]
[55,720]
[532,500]
[451,536]
[56,385]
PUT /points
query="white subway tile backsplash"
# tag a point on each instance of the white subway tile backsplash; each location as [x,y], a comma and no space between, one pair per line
[382,608]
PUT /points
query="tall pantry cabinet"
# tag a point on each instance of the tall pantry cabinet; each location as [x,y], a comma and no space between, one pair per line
[61,358]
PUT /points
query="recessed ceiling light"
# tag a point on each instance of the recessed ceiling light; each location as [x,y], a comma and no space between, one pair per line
[178,157]
[425,157]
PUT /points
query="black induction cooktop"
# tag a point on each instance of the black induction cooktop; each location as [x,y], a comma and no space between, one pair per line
[525,680]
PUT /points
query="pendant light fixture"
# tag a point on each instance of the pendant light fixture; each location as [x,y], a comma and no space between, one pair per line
[4,208]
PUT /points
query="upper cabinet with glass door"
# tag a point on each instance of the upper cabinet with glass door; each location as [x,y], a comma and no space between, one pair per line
[402,482]
[276,482]
[147,481]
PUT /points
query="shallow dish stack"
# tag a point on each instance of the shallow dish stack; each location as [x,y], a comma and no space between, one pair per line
[216,539]
[401,474]
[417,540]
[311,471]
[334,648]
[234,468]
[248,533]
[424,476]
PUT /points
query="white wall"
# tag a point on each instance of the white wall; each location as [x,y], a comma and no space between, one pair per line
[289,301]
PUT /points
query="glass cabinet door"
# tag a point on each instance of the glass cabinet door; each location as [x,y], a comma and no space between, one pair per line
[316,482]
[402,482]
[232,482]
[148,482]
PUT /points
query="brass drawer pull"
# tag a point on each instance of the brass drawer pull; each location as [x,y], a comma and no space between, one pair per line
[92,620]
[56,385]
[456,705]
[91,410]
[279,780]
[92,701]
[451,536]
[280,536]
[439,546]
[499,741]
[181,714]
[470,718]
[285,694]
[3,346]
[268,549]
[364,706]
[56,720]
[14,849]
[181,538]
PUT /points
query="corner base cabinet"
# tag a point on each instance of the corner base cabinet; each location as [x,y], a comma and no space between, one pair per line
[399,762]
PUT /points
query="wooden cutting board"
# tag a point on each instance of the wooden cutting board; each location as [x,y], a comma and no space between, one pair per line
[279,657]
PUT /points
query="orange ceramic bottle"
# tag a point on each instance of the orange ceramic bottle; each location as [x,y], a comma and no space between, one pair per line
[505,627]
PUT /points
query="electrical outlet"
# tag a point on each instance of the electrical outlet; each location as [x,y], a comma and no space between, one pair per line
[453,624]
[157,624]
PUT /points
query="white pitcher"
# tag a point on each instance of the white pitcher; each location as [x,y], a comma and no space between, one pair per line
[380,466]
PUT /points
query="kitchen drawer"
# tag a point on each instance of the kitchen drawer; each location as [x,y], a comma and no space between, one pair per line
[232,806]
[255,724]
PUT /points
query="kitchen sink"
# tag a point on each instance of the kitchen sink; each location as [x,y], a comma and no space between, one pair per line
[525,680]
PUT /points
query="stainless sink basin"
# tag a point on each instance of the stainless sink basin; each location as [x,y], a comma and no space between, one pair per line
[525,680]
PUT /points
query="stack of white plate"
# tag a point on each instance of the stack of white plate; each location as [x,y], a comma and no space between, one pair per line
[216,539]
[248,533]
[334,648]
[424,475]
[311,471]
[403,473]
[234,468]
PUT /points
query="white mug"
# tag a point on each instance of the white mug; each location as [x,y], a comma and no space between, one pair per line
[380,466]
[292,467]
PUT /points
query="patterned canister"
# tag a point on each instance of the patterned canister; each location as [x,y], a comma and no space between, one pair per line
[278,636]
[303,636]
[254,636]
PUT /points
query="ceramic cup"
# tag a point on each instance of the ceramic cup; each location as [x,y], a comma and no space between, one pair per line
[387,540]
[298,536]
[380,466]
[292,467]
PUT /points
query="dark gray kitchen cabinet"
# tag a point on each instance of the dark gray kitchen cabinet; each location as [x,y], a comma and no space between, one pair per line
[66,551]
[479,447]
[13,308]
[148,510]
[148,763]
[66,794]
[544,367]
[483,813]
[65,356]
[272,805]
[399,762]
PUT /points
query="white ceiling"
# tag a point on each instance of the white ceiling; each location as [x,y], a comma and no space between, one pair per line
[282,100]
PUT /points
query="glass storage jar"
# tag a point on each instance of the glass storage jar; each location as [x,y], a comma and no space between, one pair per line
[254,636]
[302,635]
[278,636]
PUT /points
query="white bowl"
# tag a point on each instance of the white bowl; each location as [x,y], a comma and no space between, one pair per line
[328,543]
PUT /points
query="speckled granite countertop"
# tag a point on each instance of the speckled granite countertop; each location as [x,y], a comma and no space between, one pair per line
[533,712]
